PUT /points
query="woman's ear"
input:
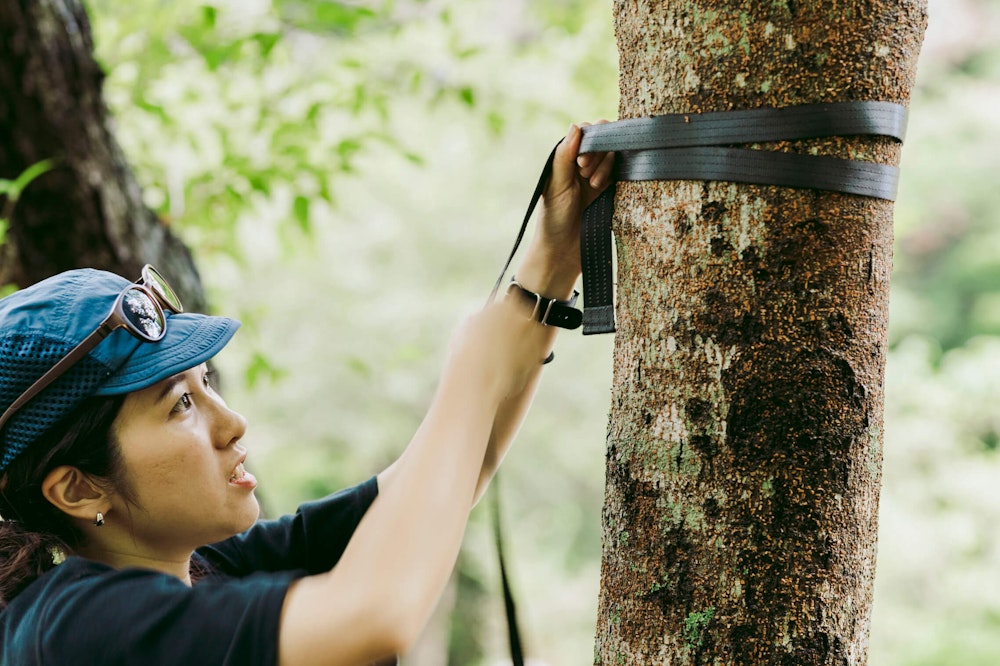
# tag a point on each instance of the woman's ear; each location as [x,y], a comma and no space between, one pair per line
[75,493]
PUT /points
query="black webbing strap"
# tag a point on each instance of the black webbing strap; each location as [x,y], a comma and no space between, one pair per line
[543,179]
[598,276]
[720,128]
[513,634]
[699,146]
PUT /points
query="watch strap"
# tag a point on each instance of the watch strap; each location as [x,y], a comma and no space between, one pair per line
[549,311]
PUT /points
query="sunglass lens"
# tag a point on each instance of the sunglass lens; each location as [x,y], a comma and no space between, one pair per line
[144,315]
[157,283]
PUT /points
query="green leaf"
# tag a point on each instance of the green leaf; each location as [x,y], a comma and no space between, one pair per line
[339,17]
[314,111]
[221,54]
[325,15]
[358,365]
[208,15]
[324,188]
[348,148]
[260,368]
[359,98]
[193,35]
[208,47]
[3,231]
[267,41]
[301,210]
[155,109]
[259,183]
[496,122]
[235,197]
[467,95]
[416,80]
[14,188]
[466,53]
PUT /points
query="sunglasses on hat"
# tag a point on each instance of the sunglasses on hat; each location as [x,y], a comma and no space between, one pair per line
[138,309]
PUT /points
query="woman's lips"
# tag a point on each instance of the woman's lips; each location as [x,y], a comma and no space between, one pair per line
[242,478]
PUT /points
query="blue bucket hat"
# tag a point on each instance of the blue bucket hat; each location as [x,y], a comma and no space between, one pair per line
[41,324]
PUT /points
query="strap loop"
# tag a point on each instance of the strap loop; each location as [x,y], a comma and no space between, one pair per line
[699,146]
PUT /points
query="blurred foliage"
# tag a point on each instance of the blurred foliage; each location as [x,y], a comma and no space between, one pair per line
[350,176]
[947,276]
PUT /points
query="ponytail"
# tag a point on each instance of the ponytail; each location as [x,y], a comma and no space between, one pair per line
[35,536]
[24,556]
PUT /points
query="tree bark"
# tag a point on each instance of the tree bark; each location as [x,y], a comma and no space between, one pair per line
[744,445]
[88,211]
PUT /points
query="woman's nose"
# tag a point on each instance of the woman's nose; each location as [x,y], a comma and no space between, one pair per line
[230,425]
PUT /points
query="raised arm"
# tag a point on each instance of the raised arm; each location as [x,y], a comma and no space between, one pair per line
[377,599]
[551,267]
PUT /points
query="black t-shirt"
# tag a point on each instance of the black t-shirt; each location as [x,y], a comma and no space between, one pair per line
[83,612]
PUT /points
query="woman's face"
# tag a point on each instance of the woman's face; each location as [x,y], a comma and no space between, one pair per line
[182,456]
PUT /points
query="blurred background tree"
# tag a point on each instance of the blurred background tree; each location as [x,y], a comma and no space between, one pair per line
[69,197]
[349,177]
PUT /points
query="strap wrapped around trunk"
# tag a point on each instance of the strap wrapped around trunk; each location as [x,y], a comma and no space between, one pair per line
[699,146]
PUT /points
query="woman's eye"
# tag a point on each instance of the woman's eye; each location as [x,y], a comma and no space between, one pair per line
[209,380]
[185,403]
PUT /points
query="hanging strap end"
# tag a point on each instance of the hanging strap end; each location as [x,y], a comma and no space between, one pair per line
[600,319]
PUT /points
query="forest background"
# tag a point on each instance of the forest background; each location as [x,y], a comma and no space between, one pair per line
[350,177]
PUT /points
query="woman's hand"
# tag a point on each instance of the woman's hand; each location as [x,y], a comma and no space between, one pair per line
[552,263]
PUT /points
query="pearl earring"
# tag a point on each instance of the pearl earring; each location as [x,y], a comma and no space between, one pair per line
[99,520]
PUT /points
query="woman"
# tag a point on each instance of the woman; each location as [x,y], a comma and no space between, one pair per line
[119,463]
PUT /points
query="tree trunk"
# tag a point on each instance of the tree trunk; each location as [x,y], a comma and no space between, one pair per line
[88,211]
[744,445]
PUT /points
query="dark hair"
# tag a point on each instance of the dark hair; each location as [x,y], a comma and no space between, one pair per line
[34,534]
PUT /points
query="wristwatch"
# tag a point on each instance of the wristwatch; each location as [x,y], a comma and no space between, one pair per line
[548,311]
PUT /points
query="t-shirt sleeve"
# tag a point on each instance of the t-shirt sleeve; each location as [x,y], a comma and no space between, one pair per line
[310,541]
[135,616]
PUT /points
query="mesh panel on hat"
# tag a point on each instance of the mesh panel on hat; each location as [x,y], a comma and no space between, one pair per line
[23,359]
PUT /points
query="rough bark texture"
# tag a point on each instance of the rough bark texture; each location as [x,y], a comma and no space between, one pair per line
[744,445]
[89,210]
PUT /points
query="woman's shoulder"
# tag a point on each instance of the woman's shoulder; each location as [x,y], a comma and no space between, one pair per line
[67,586]
[73,575]
[76,575]
[45,602]
[143,613]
